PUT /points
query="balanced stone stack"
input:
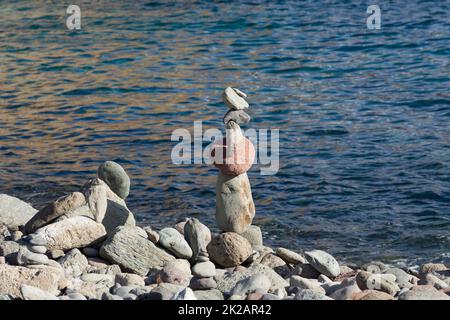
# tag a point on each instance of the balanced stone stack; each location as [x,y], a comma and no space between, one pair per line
[79,219]
[198,236]
[234,156]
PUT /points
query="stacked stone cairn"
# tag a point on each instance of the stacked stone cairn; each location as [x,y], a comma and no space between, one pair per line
[234,156]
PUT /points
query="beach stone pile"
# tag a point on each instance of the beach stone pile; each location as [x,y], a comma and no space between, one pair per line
[86,245]
[75,248]
[235,208]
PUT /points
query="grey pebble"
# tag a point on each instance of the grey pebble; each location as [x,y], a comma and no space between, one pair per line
[110,296]
[124,290]
[238,116]
[38,249]
[26,257]
[129,296]
[37,240]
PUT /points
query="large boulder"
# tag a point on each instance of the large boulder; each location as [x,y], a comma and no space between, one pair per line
[14,212]
[74,263]
[9,250]
[229,249]
[13,277]
[227,283]
[176,272]
[258,282]
[423,293]
[75,232]
[234,203]
[132,252]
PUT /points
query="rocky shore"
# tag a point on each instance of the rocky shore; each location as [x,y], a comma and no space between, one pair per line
[86,245]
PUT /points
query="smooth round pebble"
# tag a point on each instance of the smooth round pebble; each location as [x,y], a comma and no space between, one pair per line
[323,262]
[290,256]
[233,99]
[204,269]
[174,241]
[115,177]
[203,283]
[38,249]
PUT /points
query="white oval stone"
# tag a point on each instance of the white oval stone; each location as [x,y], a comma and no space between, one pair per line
[174,241]
[233,100]
[204,269]
[240,93]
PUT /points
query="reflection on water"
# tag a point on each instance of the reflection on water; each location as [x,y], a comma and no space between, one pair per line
[363,115]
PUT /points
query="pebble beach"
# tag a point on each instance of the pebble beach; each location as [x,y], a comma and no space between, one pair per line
[76,258]
[87,245]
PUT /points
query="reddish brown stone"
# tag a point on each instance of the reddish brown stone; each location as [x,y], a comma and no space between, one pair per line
[239,160]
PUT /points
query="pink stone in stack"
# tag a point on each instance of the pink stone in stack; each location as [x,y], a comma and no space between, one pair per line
[234,160]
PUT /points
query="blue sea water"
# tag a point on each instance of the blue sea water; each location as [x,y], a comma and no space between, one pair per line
[363,114]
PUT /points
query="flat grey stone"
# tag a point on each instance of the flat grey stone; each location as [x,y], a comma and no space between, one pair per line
[323,262]
[229,282]
[34,293]
[14,212]
[62,206]
[26,257]
[238,116]
[308,294]
[38,249]
[257,282]
[233,99]
[211,294]
[132,252]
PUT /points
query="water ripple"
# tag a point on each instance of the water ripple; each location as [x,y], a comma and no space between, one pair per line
[363,115]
